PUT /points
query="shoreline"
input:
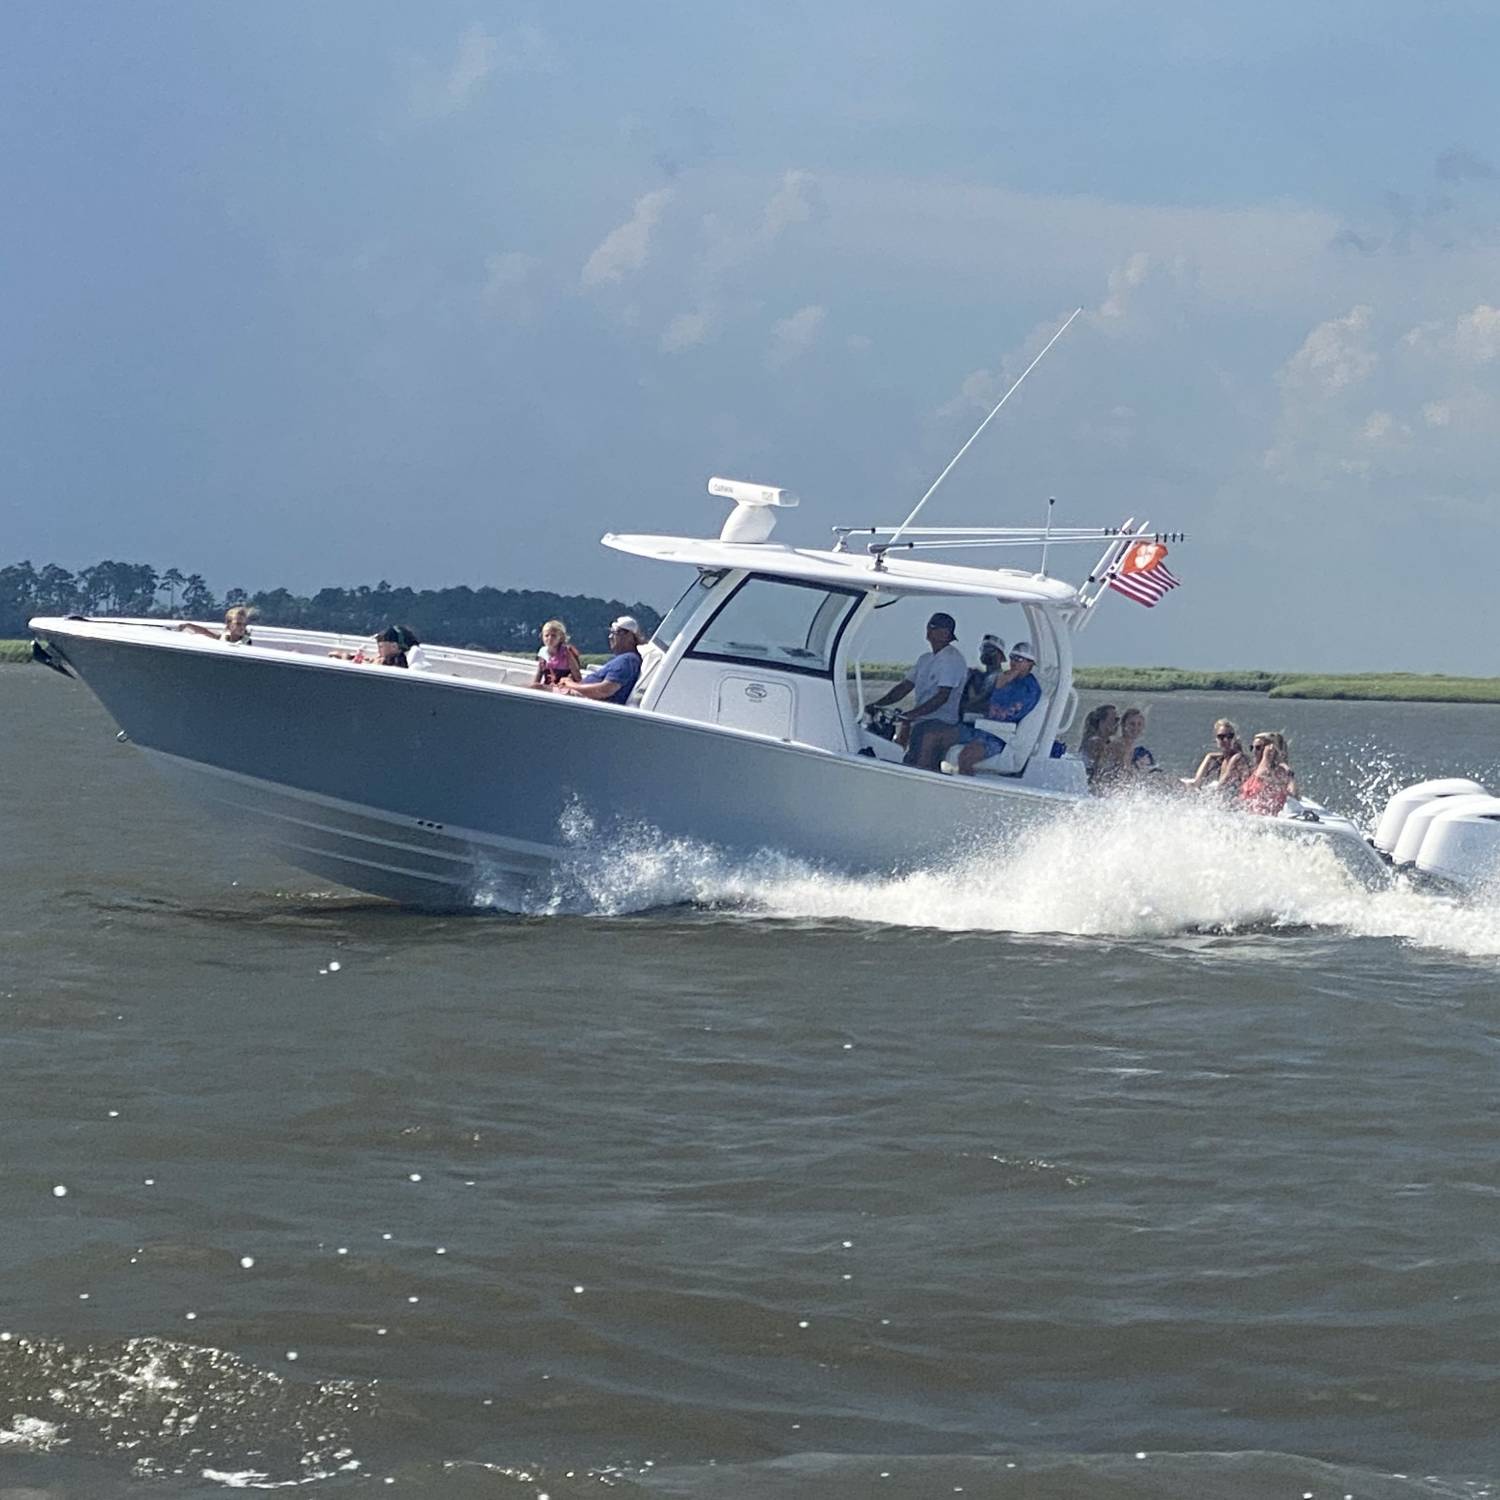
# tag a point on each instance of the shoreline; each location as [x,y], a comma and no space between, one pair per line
[1360,687]
[1363,687]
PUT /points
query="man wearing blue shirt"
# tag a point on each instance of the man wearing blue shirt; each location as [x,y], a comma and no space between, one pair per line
[1015,695]
[612,681]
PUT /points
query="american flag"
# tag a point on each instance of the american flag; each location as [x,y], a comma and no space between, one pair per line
[1142,574]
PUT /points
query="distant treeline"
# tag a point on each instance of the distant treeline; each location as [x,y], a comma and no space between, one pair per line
[495,619]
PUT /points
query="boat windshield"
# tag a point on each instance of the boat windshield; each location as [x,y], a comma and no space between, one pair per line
[778,622]
[685,608]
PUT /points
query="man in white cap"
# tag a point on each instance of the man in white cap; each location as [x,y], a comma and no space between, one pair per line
[612,681]
[1015,695]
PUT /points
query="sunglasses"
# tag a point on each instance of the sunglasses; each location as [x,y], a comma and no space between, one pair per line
[1223,736]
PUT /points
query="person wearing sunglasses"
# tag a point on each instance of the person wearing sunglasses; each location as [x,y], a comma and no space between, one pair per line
[1226,766]
[1015,695]
[1272,780]
[612,681]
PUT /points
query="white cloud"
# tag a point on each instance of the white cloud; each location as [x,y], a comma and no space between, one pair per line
[1334,356]
[977,391]
[438,91]
[477,54]
[1228,358]
[731,252]
[445,91]
[1468,415]
[1147,296]
[792,337]
[626,249]
[1147,286]
[686,331]
[1473,338]
[1122,281]
[980,390]
[1383,427]
[1477,336]
[1409,420]
[798,200]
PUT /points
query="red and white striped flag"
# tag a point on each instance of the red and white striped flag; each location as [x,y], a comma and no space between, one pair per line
[1142,574]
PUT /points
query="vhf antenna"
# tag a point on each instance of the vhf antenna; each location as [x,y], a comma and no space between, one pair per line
[1001,402]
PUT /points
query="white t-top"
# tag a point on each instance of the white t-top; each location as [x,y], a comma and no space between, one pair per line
[941,669]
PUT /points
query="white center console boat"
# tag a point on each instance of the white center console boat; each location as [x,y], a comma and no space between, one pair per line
[743,733]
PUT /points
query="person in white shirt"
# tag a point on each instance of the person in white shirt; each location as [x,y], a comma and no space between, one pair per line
[936,680]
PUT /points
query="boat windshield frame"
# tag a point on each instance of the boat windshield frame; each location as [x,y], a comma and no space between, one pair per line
[853,594]
[686,609]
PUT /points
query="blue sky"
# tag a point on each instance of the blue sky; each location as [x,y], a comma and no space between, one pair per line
[323,294]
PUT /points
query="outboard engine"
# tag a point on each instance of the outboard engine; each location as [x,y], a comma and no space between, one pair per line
[1448,829]
[1463,844]
[1404,803]
[1420,819]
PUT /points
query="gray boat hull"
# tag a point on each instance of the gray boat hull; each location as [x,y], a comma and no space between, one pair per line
[428,789]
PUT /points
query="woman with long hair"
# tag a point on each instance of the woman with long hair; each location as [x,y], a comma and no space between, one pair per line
[1226,766]
[1098,730]
[1135,759]
[1271,780]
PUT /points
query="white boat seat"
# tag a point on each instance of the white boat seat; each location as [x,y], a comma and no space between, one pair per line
[1020,740]
[652,657]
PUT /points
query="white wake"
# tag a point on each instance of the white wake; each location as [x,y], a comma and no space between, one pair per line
[1126,868]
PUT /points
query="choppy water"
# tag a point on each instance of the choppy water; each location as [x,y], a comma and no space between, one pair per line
[1145,1159]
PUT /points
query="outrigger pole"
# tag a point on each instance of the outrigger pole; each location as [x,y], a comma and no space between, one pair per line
[1099,574]
[1001,402]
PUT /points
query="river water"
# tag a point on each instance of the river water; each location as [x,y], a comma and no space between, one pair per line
[1143,1160]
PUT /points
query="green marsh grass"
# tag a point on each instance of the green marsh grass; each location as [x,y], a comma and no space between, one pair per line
[1367,687]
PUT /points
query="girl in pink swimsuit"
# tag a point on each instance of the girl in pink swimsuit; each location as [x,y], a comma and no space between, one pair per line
[557,660]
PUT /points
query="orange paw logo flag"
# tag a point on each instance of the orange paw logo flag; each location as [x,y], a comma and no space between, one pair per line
[1142,574]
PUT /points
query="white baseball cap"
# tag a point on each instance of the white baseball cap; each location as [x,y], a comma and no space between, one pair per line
[630,623]
[1024,651]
